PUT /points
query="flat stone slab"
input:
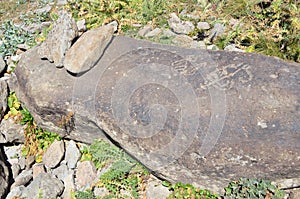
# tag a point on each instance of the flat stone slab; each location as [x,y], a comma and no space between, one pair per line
[190,115]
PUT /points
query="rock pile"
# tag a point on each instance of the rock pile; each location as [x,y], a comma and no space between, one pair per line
[59,174]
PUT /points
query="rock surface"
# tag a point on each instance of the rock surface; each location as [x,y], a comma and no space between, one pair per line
[72,154]
[11,132]
[4,174]
[2,64]
[43,186]
[3,98]
[86,173]
[54,154]
[85,53]
[201,123]
[179,26]
[59,39]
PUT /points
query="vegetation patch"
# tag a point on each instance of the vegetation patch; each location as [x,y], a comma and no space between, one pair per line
[37,140]
[253,188]
[124,176]
[188,191]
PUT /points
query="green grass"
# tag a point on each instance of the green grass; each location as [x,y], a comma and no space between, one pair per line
[124,172]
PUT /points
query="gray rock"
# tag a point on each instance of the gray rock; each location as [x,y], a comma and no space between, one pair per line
[59,39]
[204,107]
[54,112]
[198,44]
[217,31]
[295,194]
[182,40]
[2,64]
[203,26]
[15,58]
[232,47]
[61,171]
[212,47]
[86,173]
[69,186]
[114,24]
[81,25]
[156,190]
[37,169]
[13,153]
[61,2]
[3,99]
[23,47]
[22,162]
[36,27]
[44,9]
[88,49]
[23,178]
[168,33]
[100,192]
[153,33]
[143,31]
[72,154]
[4,175]
[194,16]
[287,183]
[44,186]
[16,192]
[30,161]
[15,169]
[54,154]
[179,26]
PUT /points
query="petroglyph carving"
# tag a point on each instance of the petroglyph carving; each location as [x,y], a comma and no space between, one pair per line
[225,77]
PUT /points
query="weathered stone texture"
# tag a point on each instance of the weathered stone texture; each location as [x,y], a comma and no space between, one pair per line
[85,53]
[203,117]
[59,40]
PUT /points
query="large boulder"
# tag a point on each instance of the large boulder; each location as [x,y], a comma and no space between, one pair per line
[203,117]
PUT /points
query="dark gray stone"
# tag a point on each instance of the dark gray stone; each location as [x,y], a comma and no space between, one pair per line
[44,186]
[4,174]
[11,132]
[52,112]
[187,114]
